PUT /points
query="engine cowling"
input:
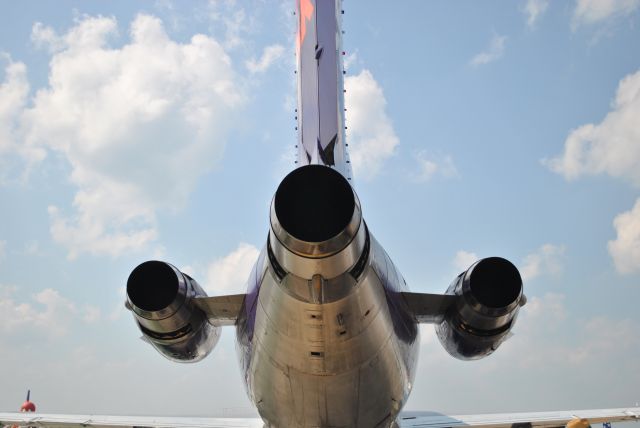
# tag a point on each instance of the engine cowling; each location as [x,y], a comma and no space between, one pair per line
[161,299]
[316,224]
[489,297]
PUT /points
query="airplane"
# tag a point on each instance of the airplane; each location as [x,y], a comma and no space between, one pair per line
[327,331]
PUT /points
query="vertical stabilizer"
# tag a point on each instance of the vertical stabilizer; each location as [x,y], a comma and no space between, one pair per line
[321,129]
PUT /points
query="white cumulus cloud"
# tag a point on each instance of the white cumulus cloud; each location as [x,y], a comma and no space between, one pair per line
[14,91]
[625,249]
[232,21]
[91,314]
[593,11]
[138,124]
[611,146]
[547,260]
[432,166]
[269,56]
[492,53]
[229,274]
[370,134]
[464,259]
[48,312]
[534,9]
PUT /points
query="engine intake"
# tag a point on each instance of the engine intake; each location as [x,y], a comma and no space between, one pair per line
[489,297]
[162,301]
[316,223]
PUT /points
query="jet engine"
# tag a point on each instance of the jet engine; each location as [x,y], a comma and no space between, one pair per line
[316,225]
[162,300]
[489,295]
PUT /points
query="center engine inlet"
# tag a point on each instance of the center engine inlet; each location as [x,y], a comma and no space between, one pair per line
[316,223]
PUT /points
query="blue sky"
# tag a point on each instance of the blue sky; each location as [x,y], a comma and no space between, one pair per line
[139,130]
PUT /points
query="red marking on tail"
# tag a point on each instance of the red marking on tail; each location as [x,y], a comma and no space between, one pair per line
[306,12]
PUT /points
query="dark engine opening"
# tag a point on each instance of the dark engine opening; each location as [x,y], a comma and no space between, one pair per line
[314,203]
[152,286]
[495,282]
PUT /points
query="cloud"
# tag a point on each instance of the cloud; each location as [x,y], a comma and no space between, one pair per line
[625,249]
[269,56]
[91,314]
[43,36]
[350,60]
[593,339]
[549,307]
[48,312]
[464,259]
[31,248]
[138,125]
[589,12]
[493,52]
[14,91]
[547,260]
[534,9]
[430,167]
[546,337]
[612,146]
[370,134]
[232,19]
[229,274]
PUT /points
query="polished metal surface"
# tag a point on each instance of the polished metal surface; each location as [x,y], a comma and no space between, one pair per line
[327,333]
[336,363]
[316,249]
[480,316]
[167,312]
[181,331]
[472,330]
[221,310]
[329,267]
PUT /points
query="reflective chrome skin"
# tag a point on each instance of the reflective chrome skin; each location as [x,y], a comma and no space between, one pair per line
[489,297]
[316,223]
[327,332]
[162,300]
[326,343]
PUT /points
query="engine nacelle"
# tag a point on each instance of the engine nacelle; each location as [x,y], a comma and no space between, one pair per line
[162,301]
[316,224]
[489,297]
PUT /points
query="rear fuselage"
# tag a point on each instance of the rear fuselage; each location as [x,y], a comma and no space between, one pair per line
[328,353]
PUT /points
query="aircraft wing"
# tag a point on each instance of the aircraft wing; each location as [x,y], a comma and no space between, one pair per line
[571,418]
[96,421]
[575,418]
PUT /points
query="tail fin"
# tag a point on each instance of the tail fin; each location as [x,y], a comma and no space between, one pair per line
[321,129]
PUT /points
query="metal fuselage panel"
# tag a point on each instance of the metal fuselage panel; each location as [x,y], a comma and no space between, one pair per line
[344,363]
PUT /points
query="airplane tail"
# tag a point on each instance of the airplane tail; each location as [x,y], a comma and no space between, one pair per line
[320,112]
